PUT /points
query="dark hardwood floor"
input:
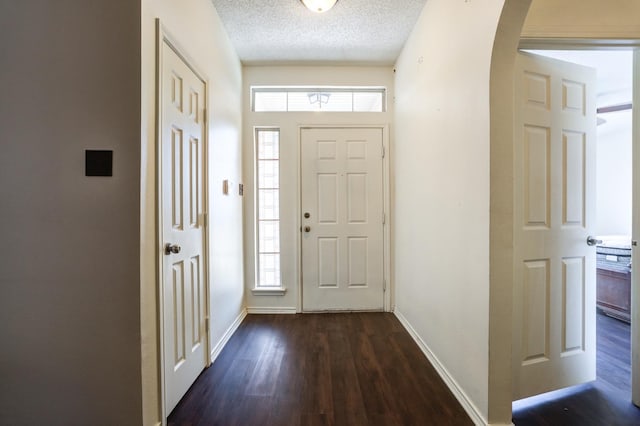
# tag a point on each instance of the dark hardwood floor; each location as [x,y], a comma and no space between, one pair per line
[320,369]
[605,401]
[364,369]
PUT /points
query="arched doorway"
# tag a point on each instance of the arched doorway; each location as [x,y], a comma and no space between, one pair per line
[506,43]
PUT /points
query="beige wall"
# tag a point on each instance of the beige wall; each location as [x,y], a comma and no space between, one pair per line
[501,202]
[69,263]
[288,123]
[196,27]
[442,189]
[582,18]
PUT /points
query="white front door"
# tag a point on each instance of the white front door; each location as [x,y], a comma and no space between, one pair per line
[554,279]
[183,245]
[342,219]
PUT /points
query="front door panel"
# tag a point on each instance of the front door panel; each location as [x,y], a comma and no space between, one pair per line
[342,239]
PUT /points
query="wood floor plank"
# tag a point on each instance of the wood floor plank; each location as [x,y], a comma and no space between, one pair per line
[317,396]
[348,403]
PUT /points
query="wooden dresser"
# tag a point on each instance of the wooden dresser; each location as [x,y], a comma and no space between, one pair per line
[613,288]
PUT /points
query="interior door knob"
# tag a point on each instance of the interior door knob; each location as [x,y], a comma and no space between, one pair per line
[172,248]
[307,229]
[592,241]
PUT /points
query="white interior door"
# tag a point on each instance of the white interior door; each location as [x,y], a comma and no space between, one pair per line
[342,237]
[554,279]
[182,194]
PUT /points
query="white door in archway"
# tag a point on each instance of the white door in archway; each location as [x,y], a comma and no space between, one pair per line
[554,343]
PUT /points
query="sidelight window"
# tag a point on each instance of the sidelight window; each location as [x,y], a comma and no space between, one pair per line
[267,172]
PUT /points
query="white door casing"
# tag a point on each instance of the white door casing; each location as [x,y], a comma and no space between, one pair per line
[635,277]
[182,195]
[554,208]
[342,239]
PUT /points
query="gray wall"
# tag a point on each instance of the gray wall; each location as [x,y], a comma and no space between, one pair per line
[69,244]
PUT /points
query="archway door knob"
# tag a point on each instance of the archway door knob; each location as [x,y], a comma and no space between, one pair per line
[592,241]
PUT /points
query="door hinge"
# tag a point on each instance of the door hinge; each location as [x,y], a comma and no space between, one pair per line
[204,114]
[384,286]
[206,325]
[205,220]
[384,151]
[384,218]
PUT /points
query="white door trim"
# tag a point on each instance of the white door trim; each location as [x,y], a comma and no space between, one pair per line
[623,44]
[389,299]
[577,44]
[164,36]
[635,277]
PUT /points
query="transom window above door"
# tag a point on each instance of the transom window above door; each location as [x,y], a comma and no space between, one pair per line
[318,98]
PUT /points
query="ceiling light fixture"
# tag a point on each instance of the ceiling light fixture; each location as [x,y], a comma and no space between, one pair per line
[319,6]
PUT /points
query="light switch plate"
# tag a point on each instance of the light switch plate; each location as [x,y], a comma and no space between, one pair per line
[98,162]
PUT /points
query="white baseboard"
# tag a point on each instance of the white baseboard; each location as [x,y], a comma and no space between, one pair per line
[451,383]
[267,310]
[227,335]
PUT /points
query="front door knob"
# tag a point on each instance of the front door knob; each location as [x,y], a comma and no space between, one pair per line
[171,248]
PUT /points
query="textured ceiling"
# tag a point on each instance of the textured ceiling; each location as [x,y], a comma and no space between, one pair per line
[354,31]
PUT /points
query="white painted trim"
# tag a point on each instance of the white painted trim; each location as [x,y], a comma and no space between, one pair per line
[635,278]
[158,217]
[298,166]
[269,310]
[540,43]
[451,383]
[227,335]
[386,200]
[268,291]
